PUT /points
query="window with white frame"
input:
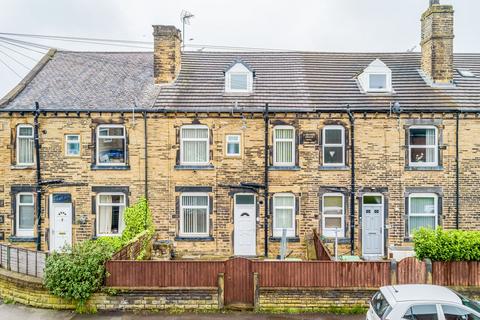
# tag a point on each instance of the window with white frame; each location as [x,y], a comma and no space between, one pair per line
[333,215]
[333,146]
[72,145]
[25,145]
[422,211]
[377,81]
[376,78]
[111,145]
[194,215]
[233,145]
[238,79]
[194,145]
[283,146]
[110,208]
[283,214]
[25,218]
[423,146]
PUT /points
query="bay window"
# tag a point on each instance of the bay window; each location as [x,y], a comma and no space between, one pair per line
[283,146]
[25,145]
[194,219]
[283,214]
[423,146]
[333,215]
[110,208]
[422,211]
[333,146]
[25,216]
[111,145]
[194,145]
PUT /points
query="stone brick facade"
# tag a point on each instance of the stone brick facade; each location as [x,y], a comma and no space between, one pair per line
[380,159]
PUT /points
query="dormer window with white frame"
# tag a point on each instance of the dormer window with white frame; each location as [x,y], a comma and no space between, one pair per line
[239,79]
[376,78]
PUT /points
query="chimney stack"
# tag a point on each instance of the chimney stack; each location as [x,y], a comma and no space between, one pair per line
[166,53]
[437,43]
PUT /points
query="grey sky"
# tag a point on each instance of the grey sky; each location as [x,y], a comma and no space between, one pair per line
[320,25]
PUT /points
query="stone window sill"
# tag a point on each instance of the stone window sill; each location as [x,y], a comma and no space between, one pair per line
[341,240]
[284,168]
[22,239]
[196,239]
[187,167]
[435,168]
[18,167]
[334,168]
[98,167]
[289,239]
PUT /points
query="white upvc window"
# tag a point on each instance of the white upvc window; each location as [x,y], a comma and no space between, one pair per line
[377,82]
[239,79]
[284,146]
[233,146]
[25,215]
[333,146]
[423,146]
[283,214]
[72,145]
[376,78]
[110,208]
[333,215]
[194,145]
[194,215]
[111,145]
[422,211]
[25,145]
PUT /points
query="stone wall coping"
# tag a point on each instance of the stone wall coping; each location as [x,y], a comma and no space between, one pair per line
[160,289]
[20,278]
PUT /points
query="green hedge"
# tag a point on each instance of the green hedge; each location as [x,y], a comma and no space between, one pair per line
[442,245]
[78,272]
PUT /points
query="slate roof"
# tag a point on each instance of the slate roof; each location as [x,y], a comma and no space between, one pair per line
[285,80]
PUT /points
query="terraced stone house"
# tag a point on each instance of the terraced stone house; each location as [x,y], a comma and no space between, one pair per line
[236,149]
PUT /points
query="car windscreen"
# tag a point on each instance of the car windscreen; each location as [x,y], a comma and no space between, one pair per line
[469,302]
[380,305]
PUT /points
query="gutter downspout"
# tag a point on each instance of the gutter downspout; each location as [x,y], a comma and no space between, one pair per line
[352,179]
[145,142]
[38,186]
[266,160]
[457,172]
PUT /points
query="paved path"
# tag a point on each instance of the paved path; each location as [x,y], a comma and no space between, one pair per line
[16,311]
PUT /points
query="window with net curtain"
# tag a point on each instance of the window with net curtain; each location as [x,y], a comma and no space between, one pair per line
[283,215]
[423,146]
[423,211]
[111,145]
[333,146]
[194,145]
[333,215]
[110,208]
[283,146]
[194,220]
[25,215]
[25,145]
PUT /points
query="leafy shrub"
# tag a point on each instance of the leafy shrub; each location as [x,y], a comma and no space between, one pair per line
[452,245]
[77,273]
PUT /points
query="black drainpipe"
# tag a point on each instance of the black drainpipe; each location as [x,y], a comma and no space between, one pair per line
[266,160]
[352,179]
[457,172]
[145,142]
[38,187]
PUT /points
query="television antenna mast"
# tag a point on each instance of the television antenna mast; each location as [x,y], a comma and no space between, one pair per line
[185,18]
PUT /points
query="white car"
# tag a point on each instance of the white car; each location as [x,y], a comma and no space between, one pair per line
[421,302]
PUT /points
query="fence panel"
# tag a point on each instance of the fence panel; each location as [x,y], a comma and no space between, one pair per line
[411,271]
[456,273]
[21,260]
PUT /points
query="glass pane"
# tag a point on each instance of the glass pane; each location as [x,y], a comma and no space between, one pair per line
[417,222]
[333,136]
[73,148]
[284,201]
[109,132]
[25,218]
[26,198]
[195,133]
[372,200]
[195,152]
[378,81]
[238,81]
[25,131]
[333,155]
[422,205]
[286,133]
[422,137]
[195,220]
[245,199]
[25,150]
[456,313]
[107,198]
[233,138]
[332,222]
[422,154]
[62,198]
[73,138]
[424,312]
[233,148]
[332,201]
[283,218]
[195,201]
[109,219]
[284,152]
[111,150]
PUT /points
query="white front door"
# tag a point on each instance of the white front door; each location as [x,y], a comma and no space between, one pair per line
[60,221]
[372,225]
[244,232]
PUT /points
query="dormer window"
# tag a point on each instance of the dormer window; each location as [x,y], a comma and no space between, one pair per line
[239,79]
[377,77]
